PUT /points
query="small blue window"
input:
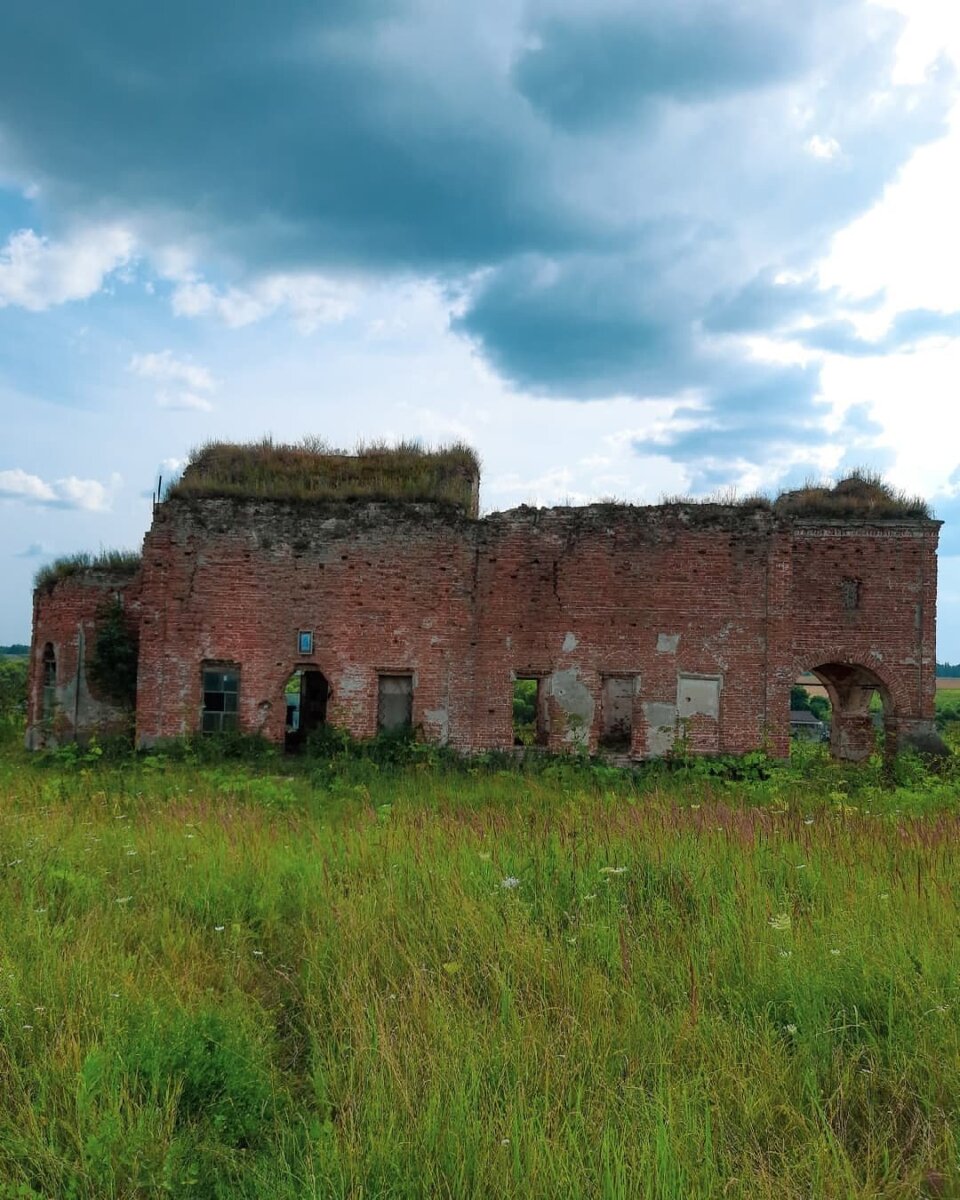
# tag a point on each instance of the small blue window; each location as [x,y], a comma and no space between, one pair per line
[306,641]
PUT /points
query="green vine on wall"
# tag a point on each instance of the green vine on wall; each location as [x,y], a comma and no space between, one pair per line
[113,667]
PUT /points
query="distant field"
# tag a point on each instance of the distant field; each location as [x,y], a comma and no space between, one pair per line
[342,980]
[817,689]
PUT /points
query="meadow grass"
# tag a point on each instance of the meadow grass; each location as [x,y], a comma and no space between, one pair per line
[312,980]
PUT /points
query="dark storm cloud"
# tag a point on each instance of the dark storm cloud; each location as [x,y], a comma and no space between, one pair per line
[385,136]
[283,134]
[590,67]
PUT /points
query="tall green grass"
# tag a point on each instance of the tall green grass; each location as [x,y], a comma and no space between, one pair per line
[221,981]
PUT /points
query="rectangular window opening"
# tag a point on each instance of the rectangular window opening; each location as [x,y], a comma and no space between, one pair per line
[221,689]
[305,641]
[616,711]
[529,717]
[394,703]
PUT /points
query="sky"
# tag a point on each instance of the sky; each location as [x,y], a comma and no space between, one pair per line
[624,249]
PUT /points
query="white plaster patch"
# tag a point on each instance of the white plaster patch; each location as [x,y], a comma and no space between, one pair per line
[570,643]
[436,722]
[661,722]
[575,701]
[698,695]
[667,643]
[352,682]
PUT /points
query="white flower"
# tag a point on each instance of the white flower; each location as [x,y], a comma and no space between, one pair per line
[791,1028]
[218,928]
[612,870]
[123,899]
[510,882]
[258,953]
[781,922]
[835,953]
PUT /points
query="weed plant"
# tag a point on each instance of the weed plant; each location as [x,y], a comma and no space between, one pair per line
[406,975]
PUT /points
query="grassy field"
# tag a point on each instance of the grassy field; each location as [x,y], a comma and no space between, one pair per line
[346,980]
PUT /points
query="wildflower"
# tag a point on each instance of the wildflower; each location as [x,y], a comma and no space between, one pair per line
[786,953]
[835,953]
[808,820]
[884,895]
[590,896]
[258,954]
[130,853]
[801,866]
[612,870]
[781,922]
[484,855]
[510,882]
[218,928]
[123,899]
[791,1029]
[504,1141]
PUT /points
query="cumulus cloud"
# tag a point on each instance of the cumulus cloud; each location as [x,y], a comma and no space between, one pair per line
[36,273]
[310,300]
[71,492]
[187,385]
[598,185]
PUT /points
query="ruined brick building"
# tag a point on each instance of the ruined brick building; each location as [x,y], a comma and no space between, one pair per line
[281,588]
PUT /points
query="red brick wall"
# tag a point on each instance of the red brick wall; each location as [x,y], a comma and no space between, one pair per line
[713,609]
[65,616]
[382,590]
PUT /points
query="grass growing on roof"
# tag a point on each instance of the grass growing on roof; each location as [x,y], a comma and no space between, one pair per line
[226,982]
[311,470]
[122,563]
[863,494]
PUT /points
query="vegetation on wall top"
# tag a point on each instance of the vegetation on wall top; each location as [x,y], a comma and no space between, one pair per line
[311,470]
[863,494]
[123,563]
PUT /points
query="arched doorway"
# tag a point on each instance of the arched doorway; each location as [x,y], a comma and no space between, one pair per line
[856,719]
[306,693]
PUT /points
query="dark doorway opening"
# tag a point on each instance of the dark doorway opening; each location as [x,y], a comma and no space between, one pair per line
[306,695]
[616,712]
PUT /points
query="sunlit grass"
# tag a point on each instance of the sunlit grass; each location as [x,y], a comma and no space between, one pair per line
[429,982]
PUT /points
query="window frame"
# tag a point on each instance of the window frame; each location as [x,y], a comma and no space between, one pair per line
[225,718]
[304,642]
[48,682]
[382,677]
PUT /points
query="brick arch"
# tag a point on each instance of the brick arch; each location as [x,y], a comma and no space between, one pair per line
[850,682]
[314,697]
[893,690]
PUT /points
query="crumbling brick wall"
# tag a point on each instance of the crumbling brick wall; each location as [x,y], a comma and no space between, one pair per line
[66,618]
[688,623]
